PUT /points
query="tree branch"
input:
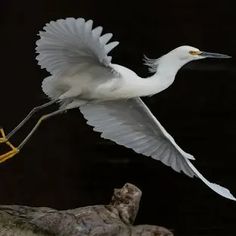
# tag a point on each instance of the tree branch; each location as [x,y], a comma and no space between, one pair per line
[100,220]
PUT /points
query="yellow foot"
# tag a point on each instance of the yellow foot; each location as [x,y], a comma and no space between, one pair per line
[13,150]
[9,154]
[2,136]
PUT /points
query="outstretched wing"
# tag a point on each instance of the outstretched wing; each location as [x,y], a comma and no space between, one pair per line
[68,43]
[130,123]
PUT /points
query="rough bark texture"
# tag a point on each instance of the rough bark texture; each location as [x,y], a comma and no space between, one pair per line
[101,220]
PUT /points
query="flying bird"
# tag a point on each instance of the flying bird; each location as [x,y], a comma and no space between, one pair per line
[107,94]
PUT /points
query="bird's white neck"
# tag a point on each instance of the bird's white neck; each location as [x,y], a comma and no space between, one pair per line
[136,86]
[165,75]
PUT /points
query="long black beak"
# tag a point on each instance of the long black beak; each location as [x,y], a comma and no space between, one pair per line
[213,55]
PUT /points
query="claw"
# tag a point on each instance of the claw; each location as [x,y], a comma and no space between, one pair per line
[2,136]
[13,150]
[9,154]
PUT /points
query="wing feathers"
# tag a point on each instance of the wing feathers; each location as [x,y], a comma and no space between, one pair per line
[66,43]
[105,38]
[126,123]
[130,123]
[97,32]
[215,187]
[110,46]
[88,26]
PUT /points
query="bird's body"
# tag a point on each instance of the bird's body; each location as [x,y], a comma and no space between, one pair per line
[95,83]
[108,95]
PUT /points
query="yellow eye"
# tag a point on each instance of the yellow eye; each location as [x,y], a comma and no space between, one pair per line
[194,53]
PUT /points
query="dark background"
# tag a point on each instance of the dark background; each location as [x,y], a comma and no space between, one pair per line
[67,165]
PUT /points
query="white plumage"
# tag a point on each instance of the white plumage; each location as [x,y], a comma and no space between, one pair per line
[108,95]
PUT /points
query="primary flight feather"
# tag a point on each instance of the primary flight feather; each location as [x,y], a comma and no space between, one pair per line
[108,95]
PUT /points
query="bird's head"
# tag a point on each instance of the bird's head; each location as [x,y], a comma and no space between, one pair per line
[188,53]
[178,57]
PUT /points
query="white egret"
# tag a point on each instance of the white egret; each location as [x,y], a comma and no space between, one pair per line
[107,94]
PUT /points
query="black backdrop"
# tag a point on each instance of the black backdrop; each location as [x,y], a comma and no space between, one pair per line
[67,165]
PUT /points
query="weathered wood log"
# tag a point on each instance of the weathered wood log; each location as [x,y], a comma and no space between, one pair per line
[101,220]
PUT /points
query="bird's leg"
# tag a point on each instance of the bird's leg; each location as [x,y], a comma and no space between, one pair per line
[34,110]
[43,118]
[4,139]
[15,150]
